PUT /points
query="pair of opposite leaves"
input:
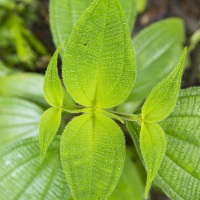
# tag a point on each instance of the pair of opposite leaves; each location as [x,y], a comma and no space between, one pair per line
[99,72]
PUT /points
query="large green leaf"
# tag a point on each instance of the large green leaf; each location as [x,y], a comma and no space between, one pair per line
[18,118]
[179,176]
[162,99]
[22,177]
[98,64]
[53,90]
[92,155]
[24,85]
[48,127]
[157,53]
[64,15]
[130,186]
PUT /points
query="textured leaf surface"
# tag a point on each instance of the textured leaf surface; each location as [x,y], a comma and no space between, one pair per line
[18,118]
[48,127]
[99,65]
[53,91]
[92,155]
[179,172]
[157,54]
[153,145]
[24,85]
[22,177]
[161,101]
[64,15]
[130,185]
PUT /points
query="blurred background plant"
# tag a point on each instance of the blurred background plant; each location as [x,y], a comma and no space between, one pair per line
[18,45]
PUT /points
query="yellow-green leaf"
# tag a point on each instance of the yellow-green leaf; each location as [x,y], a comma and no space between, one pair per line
[161,101]
[48,127]
[92,156]
[53,91]
[153,145]
[98,65]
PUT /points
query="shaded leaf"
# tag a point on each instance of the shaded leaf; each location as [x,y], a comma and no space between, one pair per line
[24,85]
[130,185]
[157,54]
[19,118]
[48,127]
[178,175]
[72,11]
[153,145]
[161,101]
[22,177]
[92,155]
[98,64]
[53,91]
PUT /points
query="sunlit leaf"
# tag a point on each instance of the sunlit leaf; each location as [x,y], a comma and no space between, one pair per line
[22,176]
[161,101]
[98,64]
[18,118]
[179,176]
[153,145]
[72,11]
[157,53]
[53,90]
[24,85]
[92,155]
[48,127]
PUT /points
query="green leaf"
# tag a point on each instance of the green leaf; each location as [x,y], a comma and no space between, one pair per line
[178,175]
[48,127]
[130,185]
[19,118]
[99,65]
[72,11]
[22,177]
[53,90]
[153,146]
[92,156]
[157,54]
[28,86]
[141,5]
[161,101]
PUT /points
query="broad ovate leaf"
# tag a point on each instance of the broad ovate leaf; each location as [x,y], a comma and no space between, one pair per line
[130,185]
[157,55]
[161,101]
[98,64]
[53,90]
[18,118]
[48,127]
[92,156]
[23,177]
[27,86]
[64,15]
[153,146]
[178,175]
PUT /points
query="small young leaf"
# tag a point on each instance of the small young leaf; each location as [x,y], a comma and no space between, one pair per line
[48,127]
[153,145]
[99,66]
[180,165]
[161,101]
[92,156]
[53,91]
